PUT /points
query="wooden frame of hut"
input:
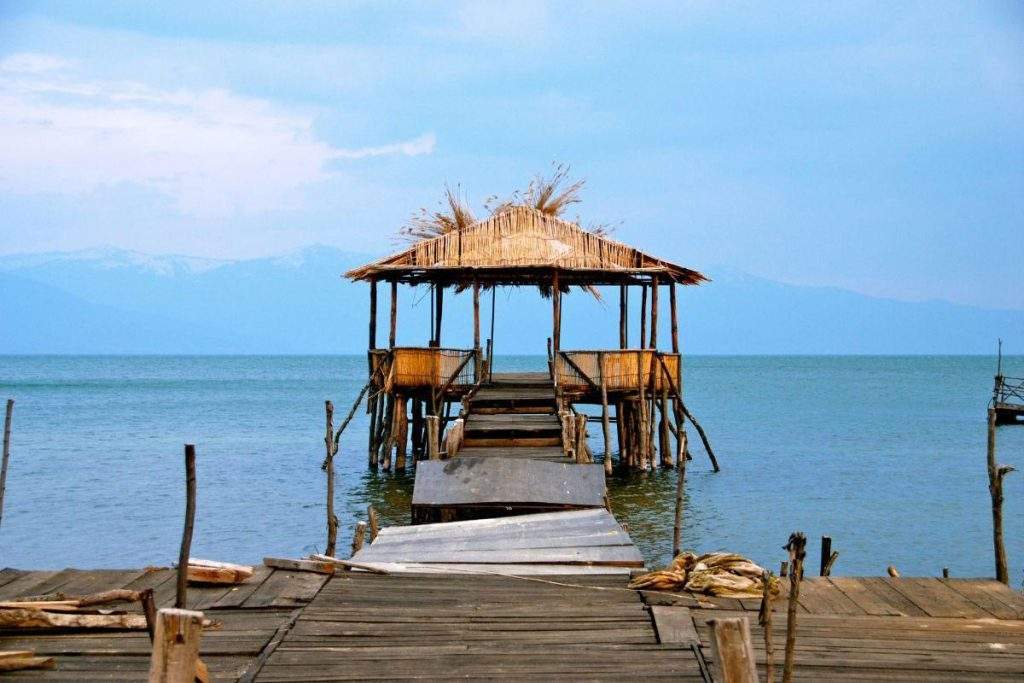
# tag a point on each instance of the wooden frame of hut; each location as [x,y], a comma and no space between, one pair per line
[521,246]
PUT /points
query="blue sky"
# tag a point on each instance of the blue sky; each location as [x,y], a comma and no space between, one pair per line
[873,146]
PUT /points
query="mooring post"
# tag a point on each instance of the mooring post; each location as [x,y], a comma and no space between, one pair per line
[677,527]
[175,657]
[190,518]
[733,651]
[328,466]
[764,619]
[358,536]
[371,514]
[996,473]
[826,552]
[6,453]
[797,551]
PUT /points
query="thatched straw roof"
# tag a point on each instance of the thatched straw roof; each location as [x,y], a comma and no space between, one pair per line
[520,245]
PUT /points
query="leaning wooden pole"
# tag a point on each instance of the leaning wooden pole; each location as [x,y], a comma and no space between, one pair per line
[331,447]
[703,437]
[6,453]
[996,473]
[796,548]
[190,518]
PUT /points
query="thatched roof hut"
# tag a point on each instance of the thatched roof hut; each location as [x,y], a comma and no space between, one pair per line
[523,246]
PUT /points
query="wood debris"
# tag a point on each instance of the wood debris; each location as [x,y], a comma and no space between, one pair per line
[311,565]
[19,660]
[212,572]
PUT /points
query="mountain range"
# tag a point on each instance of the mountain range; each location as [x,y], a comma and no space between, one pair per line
[112,301]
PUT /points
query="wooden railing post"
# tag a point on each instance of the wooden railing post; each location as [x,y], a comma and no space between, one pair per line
[175,657]
[733,651]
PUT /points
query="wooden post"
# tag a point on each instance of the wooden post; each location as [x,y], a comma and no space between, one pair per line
[654,312]
[733,651]
[371,514]
[556,313]
[764,619]
[643,316]
[996,473]
[373,315]
[6,452]
[328,466]
[677,528]
[417,428]
[190,518]
[826,552]
[665,438]
[401,430]
[605,426]
[393,329]
[642,428]
[796,547]
[358,536]
[675,319]
[175,657]
[945,572]
[438,311]
[582,449]
[784,569]
[623,318]
[433,434]
[149,611]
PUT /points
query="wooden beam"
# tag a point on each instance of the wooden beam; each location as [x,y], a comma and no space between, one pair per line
[393,331]
[623,317]
[654,312]
[190,518]
[373,315]
[675,318]
[175,655]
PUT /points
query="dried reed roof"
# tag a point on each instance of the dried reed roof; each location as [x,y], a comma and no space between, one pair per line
[520,245]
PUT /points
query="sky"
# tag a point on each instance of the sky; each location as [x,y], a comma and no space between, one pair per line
[877,147]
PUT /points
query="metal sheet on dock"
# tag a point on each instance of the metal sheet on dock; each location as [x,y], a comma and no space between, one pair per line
[508,481]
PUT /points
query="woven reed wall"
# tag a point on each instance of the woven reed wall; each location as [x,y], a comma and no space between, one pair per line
[429,367]
[621,372]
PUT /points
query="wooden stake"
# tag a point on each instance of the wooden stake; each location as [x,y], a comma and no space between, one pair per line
[654,312]
[677,527]
[675,319]
[623,319]
[387,434]
[331,448]
[796,548]
[373,315]
[438,312]
[401,432]
[433,434]
[556,313]
[764,618]
[892,571]
[996,473]
[945,572]
[358,536]
[643,316]
[831,562]
[371,514]
[371,405]
[6,452]
[642,430]
[665,440]
[826,552]
[176,646]
[784,569]
[190,518]
[417,428]
[393,330]
[733,651]
[582,449]
[605,427]
[149,611]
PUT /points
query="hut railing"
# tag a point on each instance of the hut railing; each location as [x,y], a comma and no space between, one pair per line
[624,370]
[1009,389]
[409,367]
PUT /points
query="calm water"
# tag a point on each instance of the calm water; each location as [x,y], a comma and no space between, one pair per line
[885,454]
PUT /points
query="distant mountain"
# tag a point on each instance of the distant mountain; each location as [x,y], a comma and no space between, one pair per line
[116,301]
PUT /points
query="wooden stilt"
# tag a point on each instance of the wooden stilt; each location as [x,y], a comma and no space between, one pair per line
[654,312]
[394,315]
[623,317]
[643,316]
[764,619]
[433,436]
[556,313]
[582,449]
[643,431]
[190,518]
[476,332]
[373,315]
[417,429]
[605,427]
[677,527]
[371,405]
[675,319]
[387,435]
[665,438]
[401,431]
[438,312]
[328,467]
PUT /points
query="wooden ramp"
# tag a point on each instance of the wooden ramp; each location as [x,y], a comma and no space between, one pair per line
[584,541]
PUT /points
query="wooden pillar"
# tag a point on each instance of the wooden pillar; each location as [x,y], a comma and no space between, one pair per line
[654,312]
[438,311]
[623,317]
[556,313]
[190,518]
[433,436]
[642,427]
[675,319]
[417,428]
[605,427]
[175,657]
[643,316]
[394,315]
[373,315]
[401,430]
[664,437]
[476,330]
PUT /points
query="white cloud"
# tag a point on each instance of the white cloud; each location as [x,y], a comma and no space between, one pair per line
[213,152]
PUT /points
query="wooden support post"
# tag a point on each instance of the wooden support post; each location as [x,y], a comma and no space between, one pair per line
[149,611]
[703,437]
[654,312]
[371,514]
[677,528]
[556,313]
[826,552]
[387,434]
[996,473]
[623,318]
[796,548]
[438,312]
[643,317]
[393,329]
[190,518]
[371,406]
[764,619]
[476,332]
[675,319]
[175,657]
[358,536]
[582,449]
[433,436]
[665,438]
[401,431]
[605,427]
[642,428]
[328,466]
[417,428]
[373,315]
[945,572]
[733,651]
[6,452]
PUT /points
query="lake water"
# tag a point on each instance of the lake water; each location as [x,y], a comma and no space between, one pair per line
[885,454]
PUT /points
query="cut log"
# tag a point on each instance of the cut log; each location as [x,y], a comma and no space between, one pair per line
[317,566]
[209,571]
[38,619]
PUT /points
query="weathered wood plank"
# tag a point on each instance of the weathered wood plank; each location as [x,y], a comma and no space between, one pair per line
[674,625]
